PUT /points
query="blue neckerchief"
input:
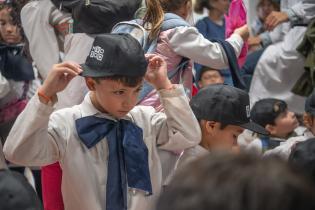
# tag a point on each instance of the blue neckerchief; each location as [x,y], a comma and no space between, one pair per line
[128,156]
[233,64]
[14,65]
[268,143]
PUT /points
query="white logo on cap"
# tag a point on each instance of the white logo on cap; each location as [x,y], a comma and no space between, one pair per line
[97,52]
[247,111]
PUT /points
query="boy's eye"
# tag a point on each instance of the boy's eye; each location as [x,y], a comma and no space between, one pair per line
[119,92]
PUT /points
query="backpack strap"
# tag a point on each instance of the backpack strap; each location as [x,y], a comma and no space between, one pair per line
[136,29]
[170,21]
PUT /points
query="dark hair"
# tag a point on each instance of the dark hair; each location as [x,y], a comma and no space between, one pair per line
[238,182]
[155,13]
[205,69]
[127,81]
[274,3]
[200,5]
[302,157]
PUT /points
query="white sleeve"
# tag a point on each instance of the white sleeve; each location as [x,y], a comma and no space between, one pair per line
[303,11]
[4,86]
[37,137]
[44,49]
[177,129]
[189,43]
[255,147]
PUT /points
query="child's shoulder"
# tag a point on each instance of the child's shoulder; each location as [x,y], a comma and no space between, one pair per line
[140,113]
[67,114]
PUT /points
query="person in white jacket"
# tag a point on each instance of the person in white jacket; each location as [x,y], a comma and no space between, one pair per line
[281,65]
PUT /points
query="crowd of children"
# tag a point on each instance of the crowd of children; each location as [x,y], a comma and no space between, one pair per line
[124,120]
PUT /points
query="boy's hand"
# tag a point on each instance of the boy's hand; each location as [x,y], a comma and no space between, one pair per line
[243,31]
[274,19]
[254,40]
[59,77]
[157,72]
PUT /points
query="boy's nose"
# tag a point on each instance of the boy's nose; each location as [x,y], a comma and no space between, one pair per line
[9,28]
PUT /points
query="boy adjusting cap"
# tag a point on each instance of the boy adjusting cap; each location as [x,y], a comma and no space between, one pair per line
[226,105]
[115,54]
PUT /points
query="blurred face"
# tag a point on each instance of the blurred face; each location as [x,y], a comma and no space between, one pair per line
[209,78]
[309,122]
[265,9]
[215,138]
[113,97]
[9,32]
[220,5]
[285,124]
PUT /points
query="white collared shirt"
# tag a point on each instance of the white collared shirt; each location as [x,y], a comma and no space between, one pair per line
[40,137]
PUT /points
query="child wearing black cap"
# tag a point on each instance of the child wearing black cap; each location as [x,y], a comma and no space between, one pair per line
[107,147]
[223,113]
[284,150]
[275,117]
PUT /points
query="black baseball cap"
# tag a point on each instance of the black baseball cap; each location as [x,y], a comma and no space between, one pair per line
[265,111]
[225,104]
[115,55]
[310,104]
[16,193]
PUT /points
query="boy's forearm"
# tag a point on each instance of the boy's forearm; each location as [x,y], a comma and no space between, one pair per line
[29,142]
[181,129]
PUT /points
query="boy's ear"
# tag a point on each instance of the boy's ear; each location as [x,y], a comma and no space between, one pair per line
[307,120]
[210,126]
[271,129]
[90,83]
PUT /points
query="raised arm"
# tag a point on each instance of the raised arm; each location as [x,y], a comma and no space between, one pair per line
[188,42]
[38,137]
[177,129]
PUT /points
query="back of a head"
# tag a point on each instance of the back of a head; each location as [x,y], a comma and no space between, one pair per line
[230,182]
[16,193]
[303,157]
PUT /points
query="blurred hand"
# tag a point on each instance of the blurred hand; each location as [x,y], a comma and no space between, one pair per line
[59,77]
[274,19]
[157,72]
[243,31]
[254,40]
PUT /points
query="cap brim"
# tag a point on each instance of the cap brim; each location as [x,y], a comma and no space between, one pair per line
[255,128]
[89,72]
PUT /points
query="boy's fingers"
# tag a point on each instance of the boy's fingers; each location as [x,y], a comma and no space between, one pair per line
[66,70]
[149,56]
[70,65]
